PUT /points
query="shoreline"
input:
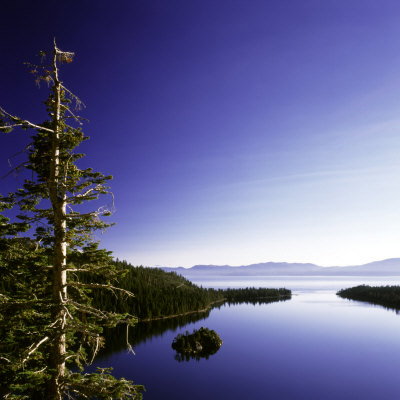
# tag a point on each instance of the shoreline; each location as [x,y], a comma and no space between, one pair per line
[209,306]
[182,314]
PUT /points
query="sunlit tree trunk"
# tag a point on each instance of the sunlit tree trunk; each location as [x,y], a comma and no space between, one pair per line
[58,202]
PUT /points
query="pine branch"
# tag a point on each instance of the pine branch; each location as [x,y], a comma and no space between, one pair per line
[35,347]
[100,211]
[20,166]
[75,117]
[128,345]
[79,103]
[90,310]
[100,286]
[87,268]
[21,122]
[97,188]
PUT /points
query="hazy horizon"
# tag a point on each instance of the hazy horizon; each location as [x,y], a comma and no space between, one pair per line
[275,262]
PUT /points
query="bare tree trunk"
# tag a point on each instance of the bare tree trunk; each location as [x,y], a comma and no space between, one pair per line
[58,202]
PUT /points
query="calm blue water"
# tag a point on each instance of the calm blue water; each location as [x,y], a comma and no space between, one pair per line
[315,346]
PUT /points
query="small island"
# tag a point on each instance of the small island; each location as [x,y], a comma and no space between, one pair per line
[200,344]
[387,296]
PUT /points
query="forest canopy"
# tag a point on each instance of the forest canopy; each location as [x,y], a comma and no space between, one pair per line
[388,296]
[160,294]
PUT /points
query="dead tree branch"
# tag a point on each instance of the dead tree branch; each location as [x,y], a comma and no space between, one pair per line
[21,122]
[36,346]
[100,286]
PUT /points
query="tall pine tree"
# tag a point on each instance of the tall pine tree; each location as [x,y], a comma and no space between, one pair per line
[48,326]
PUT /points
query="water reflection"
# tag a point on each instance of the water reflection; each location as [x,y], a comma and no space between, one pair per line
[185,357]
[259,302]
[116,338]
[371,304]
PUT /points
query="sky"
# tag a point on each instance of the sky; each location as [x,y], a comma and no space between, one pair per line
[237,132]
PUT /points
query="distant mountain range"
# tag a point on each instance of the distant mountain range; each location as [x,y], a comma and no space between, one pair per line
[389,267]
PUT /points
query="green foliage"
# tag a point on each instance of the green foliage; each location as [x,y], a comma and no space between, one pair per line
[201,343]
[388,296]
[157,294]
[48,324]
[103,386]
[24,316]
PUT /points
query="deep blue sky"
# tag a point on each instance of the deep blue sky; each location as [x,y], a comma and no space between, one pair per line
[237,131]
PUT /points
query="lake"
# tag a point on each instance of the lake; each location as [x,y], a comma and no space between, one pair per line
[314,346]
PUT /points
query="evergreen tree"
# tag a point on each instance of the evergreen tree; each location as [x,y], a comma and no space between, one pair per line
[48,325]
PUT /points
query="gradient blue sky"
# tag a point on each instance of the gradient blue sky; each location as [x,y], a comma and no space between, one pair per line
[237,131]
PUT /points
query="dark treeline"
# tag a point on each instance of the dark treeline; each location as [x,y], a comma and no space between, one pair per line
[160,294]
[157,294]
[255,295]
[388,296]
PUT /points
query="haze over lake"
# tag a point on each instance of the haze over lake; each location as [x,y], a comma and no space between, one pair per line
[314,346]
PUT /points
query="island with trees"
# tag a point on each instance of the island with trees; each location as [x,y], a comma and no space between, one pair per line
[200,344]
[387,296]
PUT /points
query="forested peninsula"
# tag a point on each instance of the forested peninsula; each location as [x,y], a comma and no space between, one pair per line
[159,294]
[387,296]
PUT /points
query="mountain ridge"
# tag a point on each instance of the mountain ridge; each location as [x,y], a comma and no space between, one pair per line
[387,267]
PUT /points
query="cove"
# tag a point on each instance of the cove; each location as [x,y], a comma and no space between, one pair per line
[314,346]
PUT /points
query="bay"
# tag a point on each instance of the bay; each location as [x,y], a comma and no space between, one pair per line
[314,346]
